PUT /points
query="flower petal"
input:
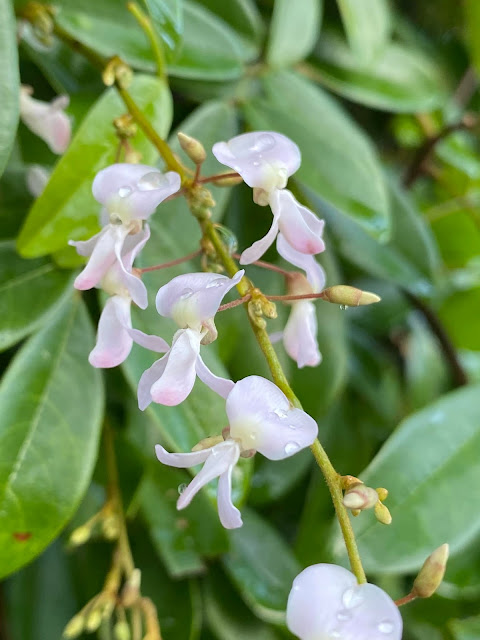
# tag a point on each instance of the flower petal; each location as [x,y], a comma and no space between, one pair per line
[193,298]
[221,457]
[102,256]
[37,178]
[126,253]
[147,380]
[258,248]
[301,228]
[179,375]
[47,120]
[137,188]
[314,272]
[181,460]
[260,416]
[113,341]
[222,386]
[264,159]
[152,343]
[326,602]
[300,335]
[230,516]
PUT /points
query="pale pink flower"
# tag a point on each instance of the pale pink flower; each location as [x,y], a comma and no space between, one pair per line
[265,160]
[261,419]
[37,178]
[327,603]
[47,120]
[129,194]
[192,300]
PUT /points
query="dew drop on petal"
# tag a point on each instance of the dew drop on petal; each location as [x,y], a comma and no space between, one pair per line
[152,180]
[264,142]
[215,283]
[351,599]
[292,426]
[386,627]
[343,616]
[123,192]
[291,447]
[186,293]
[182,487]
[343,307]
[280,413]
[256,163]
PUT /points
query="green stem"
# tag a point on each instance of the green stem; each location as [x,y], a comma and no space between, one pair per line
[146,24]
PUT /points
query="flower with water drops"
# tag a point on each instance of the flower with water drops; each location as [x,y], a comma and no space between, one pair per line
[260,419]
[129,194]
[265,160]
[327,603]
[47,120]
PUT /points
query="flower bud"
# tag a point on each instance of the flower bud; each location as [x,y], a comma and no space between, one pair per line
[431,574]
[121,631]
[360,497]
[131,590]
[382,493]
[110,527]
[80,536]
[192,147]
[75,627]
[349,481]
[382,513]
[125,126]
[94,620]
[349,296]
[229,181]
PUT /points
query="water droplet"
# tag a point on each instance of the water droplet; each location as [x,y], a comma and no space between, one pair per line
[264,142]
[343,307]
[280,413]
[182,487]
[436,417]
[291,447]
[386,626]
[123,192]
[292,426]
[342,616]
[186,293]
[351,599]
[335,634]
[218,282]
[256,163]
[152,180]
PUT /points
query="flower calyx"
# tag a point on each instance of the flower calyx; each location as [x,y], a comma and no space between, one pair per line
[259,306]
[117,72]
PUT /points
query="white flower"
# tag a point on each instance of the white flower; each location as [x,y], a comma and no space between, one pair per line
[47,120]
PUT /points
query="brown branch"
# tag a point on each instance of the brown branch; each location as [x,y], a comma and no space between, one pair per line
[172,263]
[235,303]
[267,265]
[406,599]
[459,375]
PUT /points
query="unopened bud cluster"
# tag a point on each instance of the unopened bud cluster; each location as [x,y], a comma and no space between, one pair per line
[359,497]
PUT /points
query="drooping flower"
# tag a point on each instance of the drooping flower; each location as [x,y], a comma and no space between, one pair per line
[260,419]
[327,603]
[129,193]
[192,301]
[265,160]
[300,333]
[47,120]
[37,178]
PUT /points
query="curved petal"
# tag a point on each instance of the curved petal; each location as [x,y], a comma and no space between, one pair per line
[264,159]
[101,258]
[326,602]
[222,386]
[178,378]
[86,247]
[113,341]
[47,120]
[260,416]
[152,343]
[193,298]
[181,460]
[148,378]
[300,226]
[221,457]
[126,253]
[136,188]
[258,248]
[300,335]
[230,516]
[37,178]
[314,272]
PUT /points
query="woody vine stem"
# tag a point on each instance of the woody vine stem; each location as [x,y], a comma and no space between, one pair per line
[116,72]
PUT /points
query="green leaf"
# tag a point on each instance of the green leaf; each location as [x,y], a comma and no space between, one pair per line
[468,629]
[274,479]
[399,79]
[262,567]
[49,429]
[459,313]
[14,200]
[426,464]
[338,160]
[367,23]
[456,232]
[30,291]
[242,15]
[66,209]
[293,31]
[471,10]
[9,81]
[167,19]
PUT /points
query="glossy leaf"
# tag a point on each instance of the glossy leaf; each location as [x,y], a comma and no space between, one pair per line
[338,160]
[426,464]
[367,24]
[9,81]
[471,10]
[293,31]
[51,410]
[468,629]
[167,19]
[242,15]
[398,79]
[459,313]
[66,209]
[262,567]
[30,292]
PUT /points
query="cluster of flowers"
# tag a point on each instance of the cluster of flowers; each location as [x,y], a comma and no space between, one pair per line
[325,601]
